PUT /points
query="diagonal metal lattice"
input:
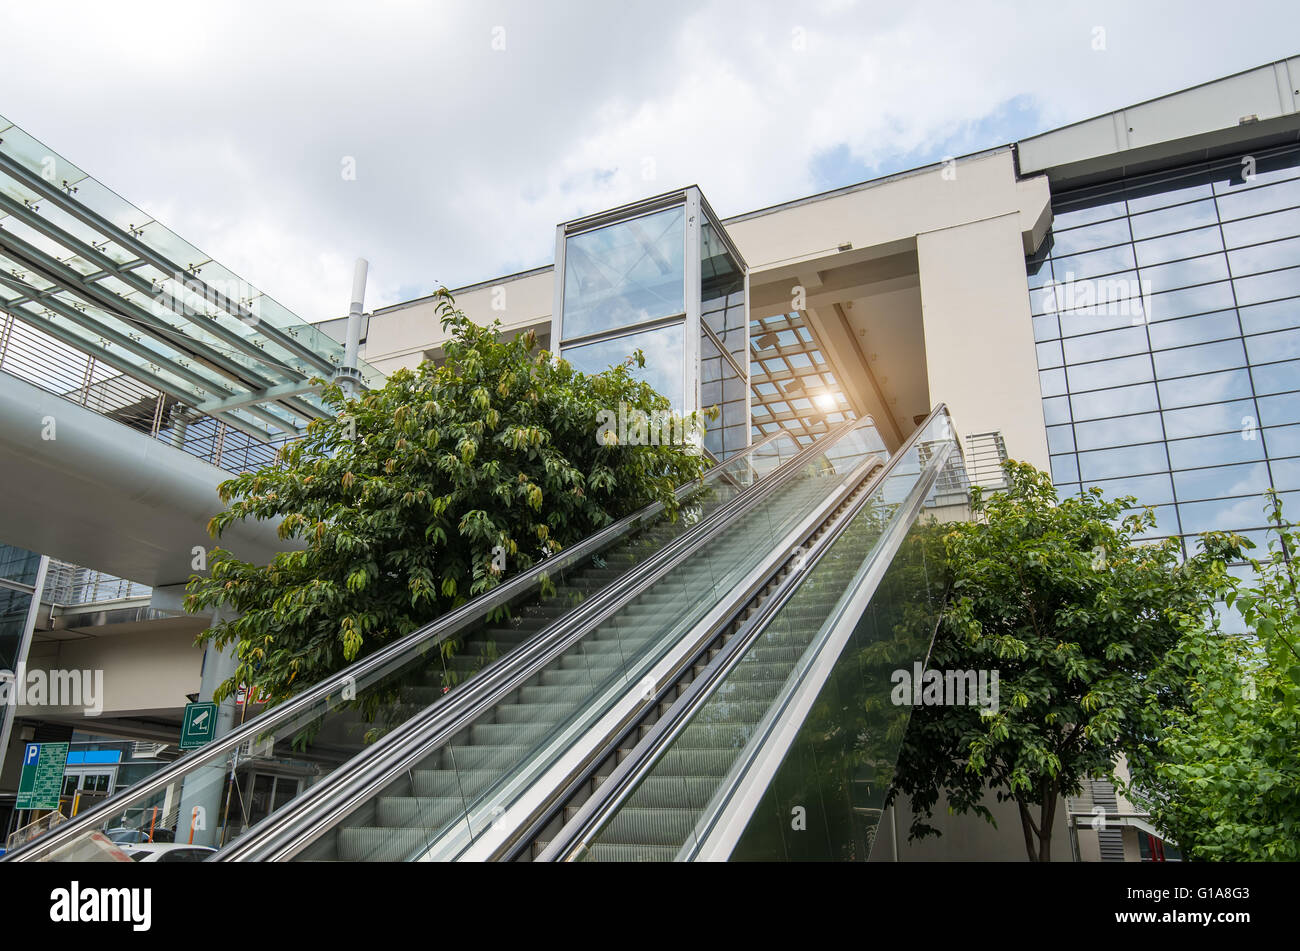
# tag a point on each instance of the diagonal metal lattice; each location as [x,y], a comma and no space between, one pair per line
[84,269]
[792,386]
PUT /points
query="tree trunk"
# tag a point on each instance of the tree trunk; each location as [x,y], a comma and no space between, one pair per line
[1038,838]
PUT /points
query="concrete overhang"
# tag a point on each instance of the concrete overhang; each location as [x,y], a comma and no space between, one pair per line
[102,495]
[1255,107]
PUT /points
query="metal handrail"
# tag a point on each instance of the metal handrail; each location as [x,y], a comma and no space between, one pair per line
[352,676]
[611,794]
[343,789]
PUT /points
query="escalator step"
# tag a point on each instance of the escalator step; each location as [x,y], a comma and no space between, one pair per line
[380,845]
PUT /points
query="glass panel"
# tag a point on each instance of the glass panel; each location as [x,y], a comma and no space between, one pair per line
[1277,377]
[1148,490]
[1281,224]
[1267,287]
[1280,410]
[664,349]
[624,273]
[1205,358]
[1187,245]
[1210,419]
[1221,482]
[1114,463]
[1209,388]
[1102,346]
[1280,345]
[1203,270]
[1258,201]
[1202,328]
[1222,515]
[1120,431]
[1178,218]
[1125,399]
[1056,410]
[1214,450]
[1278,315]
[1120,372]
[1090,238]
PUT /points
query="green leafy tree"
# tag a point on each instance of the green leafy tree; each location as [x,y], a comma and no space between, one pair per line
[1075,614]
[411,498]
[1224,779]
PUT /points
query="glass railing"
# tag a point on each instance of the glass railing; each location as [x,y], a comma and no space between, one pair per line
[836,771]
[212,796]
[472,778]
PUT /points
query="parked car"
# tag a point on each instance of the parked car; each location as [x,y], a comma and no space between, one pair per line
[125,835]
[167,852]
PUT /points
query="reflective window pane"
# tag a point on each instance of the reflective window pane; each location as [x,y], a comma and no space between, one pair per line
[1283,440]
[624,273]
[1060,439]
[663,348]
[1170,248]
[1280,345]
[1202,270]
[1202,328]
[1120,431]
[1221,515]
[1115,463]
[1265,287]
[1280,224]
[1221,482]
[1264,257]
[1148,490]
[1119,372]
[1114,343]
[1205,358]
[1277,315]
[1056,410]
[1210,419]
[1213,450]
[1280,410]
[1178,218]
[1127,399]
[1090,238]
[1209,388]
[1277,377]
[1257,201]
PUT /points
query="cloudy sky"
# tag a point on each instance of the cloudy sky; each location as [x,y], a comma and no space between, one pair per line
[474,127]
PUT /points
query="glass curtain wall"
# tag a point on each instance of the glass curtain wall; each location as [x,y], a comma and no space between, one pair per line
[1167,319]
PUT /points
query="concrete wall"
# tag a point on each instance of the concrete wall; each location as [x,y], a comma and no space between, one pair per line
[145,673]
[979,340]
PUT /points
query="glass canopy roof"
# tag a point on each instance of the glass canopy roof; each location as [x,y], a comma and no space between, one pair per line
[792,386]
[88,268]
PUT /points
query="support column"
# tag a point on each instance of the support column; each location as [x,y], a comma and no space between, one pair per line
[979,340]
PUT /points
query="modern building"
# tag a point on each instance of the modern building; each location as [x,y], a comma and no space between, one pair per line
[1117,300]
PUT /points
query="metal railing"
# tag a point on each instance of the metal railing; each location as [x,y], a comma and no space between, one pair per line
[985,453]
[34,356]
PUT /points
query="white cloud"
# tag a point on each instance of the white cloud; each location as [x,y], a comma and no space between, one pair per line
[229,122]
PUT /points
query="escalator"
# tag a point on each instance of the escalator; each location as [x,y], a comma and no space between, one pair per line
[526,772]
